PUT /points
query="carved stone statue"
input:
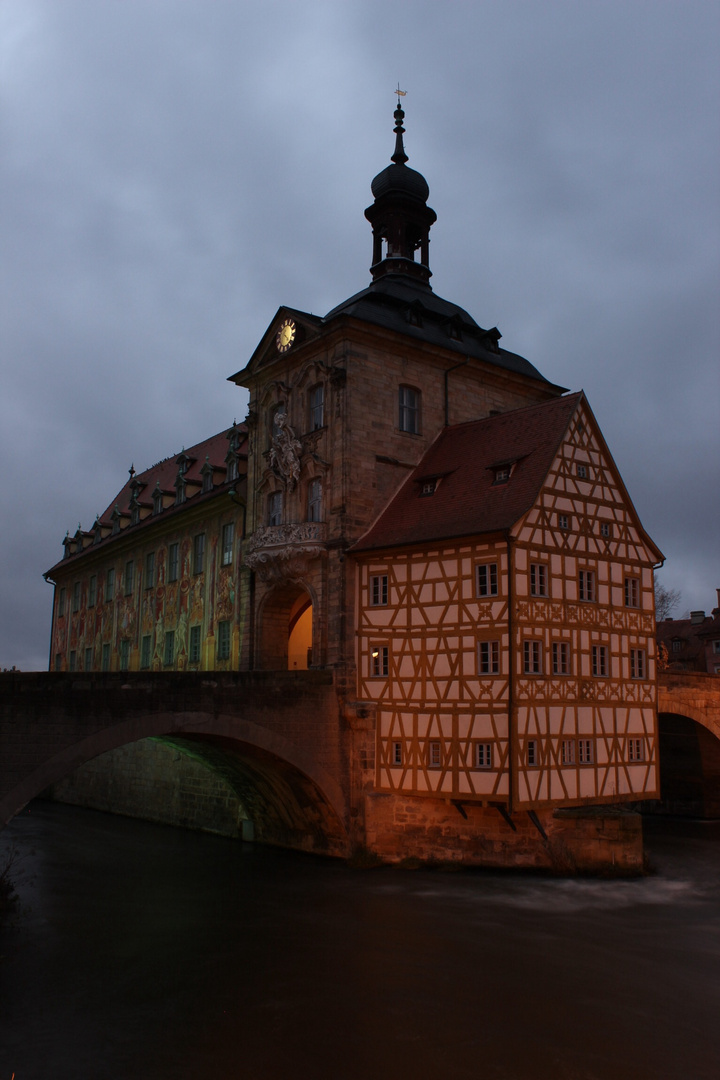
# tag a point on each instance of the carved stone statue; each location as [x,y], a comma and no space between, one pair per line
[285,453]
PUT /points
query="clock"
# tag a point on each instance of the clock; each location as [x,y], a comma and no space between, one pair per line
[285,335]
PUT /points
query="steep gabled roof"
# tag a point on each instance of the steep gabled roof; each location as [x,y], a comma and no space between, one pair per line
[463,459]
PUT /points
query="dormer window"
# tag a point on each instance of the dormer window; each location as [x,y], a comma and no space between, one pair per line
[207,476]
[454,329]
[501,474]
[96,531]
[134,510]
[233,437]
[116,515]
[183,463]
[429,486]
[232,466]
[415,313]
[157,499]
[180,495]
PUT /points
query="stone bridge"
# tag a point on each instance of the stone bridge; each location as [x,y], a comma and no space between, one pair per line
[274,737]
[689,730]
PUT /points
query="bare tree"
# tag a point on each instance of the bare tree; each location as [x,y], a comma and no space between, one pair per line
[665,601]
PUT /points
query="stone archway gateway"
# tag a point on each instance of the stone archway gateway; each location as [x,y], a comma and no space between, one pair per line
[285,633]
[689,732]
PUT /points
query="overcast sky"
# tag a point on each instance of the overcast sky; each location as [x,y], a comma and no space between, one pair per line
[171,172]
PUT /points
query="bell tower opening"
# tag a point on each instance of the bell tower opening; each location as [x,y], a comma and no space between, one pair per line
[286,630]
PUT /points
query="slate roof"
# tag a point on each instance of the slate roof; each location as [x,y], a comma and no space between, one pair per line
[392,301]
[467,501]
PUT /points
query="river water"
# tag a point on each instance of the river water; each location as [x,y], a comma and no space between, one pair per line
[144,952]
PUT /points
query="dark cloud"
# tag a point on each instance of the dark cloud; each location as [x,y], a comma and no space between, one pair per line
[174,171]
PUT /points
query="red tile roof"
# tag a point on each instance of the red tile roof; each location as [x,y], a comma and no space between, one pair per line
[467,501]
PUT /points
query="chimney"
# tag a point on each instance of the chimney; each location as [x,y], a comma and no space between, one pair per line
[696,617]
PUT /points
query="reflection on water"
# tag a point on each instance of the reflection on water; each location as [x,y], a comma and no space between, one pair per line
[150,953]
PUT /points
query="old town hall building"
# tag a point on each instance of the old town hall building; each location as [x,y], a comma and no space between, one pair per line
[419,511]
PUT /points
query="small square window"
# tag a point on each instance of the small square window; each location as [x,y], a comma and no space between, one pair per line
[501,474]
[605,529]
[538,579]
[531,752]
[483,755]
[581,472]
[563,521]
[487,579]
[397,754]
[194,648]
[378,590]
[434,755]
[488,657]
[379,661]
[428,487]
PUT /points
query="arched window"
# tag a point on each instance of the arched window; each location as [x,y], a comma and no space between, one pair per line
[315,500]
[409,410]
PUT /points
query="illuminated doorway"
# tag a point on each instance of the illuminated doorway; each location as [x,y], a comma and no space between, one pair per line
[285,639]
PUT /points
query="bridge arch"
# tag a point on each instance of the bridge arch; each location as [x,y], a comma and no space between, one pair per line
[689,740]
[286,633]
[267,751]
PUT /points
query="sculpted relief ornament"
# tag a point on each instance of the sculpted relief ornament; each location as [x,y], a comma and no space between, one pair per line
[284,551]
[285,452]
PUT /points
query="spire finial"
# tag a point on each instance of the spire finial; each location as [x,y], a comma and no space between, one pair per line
[399,157]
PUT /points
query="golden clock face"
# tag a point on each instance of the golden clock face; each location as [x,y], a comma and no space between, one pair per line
[285,335]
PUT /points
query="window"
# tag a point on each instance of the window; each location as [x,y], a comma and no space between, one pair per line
[538,579]
[92,591]
[567,752]
[487,579]
[275,508]
[716,646]
[316,399]
[409,417]
[61,602]
[110,584]
[379,664]
[532,652]
[501,474]
[105,662]
[581,472]
[149,569]
[599,660]
[561,658]
[315,500]
[434,755]
[129,576]
[124,654]
[637,663]
[157,498]
[194,645]
[88,664]
[173,561]
[488,657]
[606,529]
[563,521]
[180,495]
[397,755]
[531,752]
[145,651]
[228,539]
[632,592]
[428,487]
[199,553]
[232,467]
[483,755]
[73,659]
[586,583]
[223,641]
[207,477]
[585,751]
[378,590]
[635,750]
[169,650]
[76,596]
[677,645]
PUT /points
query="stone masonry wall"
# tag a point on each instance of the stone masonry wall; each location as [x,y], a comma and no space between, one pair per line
[156,782]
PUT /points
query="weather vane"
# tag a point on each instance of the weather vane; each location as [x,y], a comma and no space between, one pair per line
[400,93]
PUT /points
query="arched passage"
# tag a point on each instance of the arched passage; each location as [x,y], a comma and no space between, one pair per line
[286,629]
[689,767]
